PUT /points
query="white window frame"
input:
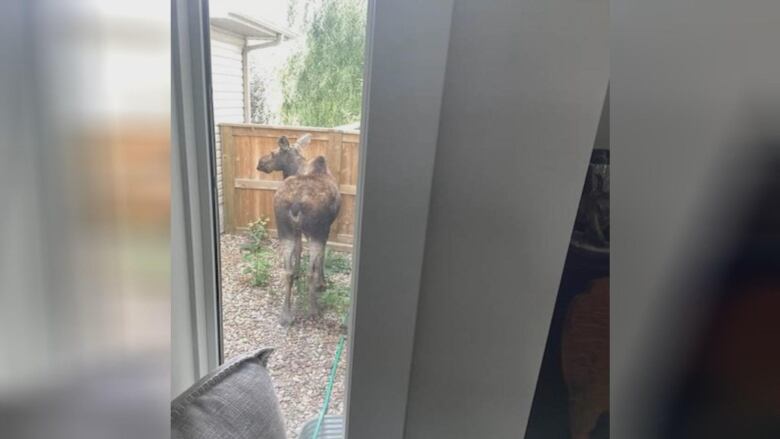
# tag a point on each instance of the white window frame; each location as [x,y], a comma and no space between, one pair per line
[406,56]
[404,75]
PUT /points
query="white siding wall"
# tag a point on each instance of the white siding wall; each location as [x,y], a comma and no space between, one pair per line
[227,81]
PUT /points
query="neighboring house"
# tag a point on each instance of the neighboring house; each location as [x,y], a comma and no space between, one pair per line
[233,36]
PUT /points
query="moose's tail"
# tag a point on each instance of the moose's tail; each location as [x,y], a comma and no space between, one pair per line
[295,214]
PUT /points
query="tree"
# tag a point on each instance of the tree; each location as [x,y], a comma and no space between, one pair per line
[323,83]
[259,111]
[300,12]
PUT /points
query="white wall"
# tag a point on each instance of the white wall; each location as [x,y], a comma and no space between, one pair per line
[227,73]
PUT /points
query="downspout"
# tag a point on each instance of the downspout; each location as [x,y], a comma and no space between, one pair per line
[245,64]
[245,78]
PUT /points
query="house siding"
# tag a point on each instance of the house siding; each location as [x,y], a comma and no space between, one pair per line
[227,76]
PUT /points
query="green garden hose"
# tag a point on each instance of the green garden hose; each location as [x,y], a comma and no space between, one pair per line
[329,388]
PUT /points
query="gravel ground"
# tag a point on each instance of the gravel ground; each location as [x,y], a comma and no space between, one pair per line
[303,352]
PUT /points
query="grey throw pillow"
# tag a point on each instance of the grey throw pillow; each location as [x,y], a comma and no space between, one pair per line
[236,401]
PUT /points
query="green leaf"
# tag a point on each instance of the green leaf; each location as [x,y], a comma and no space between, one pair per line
[322,84]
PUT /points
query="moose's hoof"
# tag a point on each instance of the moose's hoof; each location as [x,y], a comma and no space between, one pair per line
[286,319]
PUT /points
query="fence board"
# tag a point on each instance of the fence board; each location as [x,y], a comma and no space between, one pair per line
[248,193]
[228,164]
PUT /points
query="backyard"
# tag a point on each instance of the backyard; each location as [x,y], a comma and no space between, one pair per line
[284,71]
[251,304]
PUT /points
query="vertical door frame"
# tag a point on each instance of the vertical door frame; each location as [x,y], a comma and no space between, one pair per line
[192,114]
[406,52]
[406,55]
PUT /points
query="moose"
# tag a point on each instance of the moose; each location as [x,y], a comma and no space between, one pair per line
[305,204]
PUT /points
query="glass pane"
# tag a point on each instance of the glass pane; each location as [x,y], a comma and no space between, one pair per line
[287,78]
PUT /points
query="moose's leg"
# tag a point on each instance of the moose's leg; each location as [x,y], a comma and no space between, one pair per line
[288,247]
[297,255]
[316,275]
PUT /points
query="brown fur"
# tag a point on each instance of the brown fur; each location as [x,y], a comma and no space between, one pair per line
[585,358]
[286,158]
[306,204]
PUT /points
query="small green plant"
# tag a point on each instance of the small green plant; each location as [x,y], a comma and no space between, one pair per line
[258,255]
[336,297]
[258,266]
[257,235]
[337,263]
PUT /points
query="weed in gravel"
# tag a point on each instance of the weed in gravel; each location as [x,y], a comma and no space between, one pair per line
[337,262]
[258,266]
[258,255]
[336,297]
[256,236]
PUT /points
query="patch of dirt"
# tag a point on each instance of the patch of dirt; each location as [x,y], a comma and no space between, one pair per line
[303,353]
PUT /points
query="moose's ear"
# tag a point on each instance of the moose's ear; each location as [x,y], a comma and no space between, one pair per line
[284,143]
[303,141]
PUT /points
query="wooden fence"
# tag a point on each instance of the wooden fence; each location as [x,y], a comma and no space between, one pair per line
[248,193]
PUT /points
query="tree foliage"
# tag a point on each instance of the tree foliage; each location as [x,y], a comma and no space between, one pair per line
[301,12]
[323,83]
[260,111]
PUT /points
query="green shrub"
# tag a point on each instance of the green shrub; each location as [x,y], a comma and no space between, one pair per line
[258,255]
[336,297]
[257,235]
[337,262]
[258,265]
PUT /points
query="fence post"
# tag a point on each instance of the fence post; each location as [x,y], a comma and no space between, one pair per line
[334,153]
[228,178]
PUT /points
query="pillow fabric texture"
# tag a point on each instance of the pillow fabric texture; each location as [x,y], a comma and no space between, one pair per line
[236,401]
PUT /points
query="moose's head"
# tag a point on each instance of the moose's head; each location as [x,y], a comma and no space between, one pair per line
[286,158]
